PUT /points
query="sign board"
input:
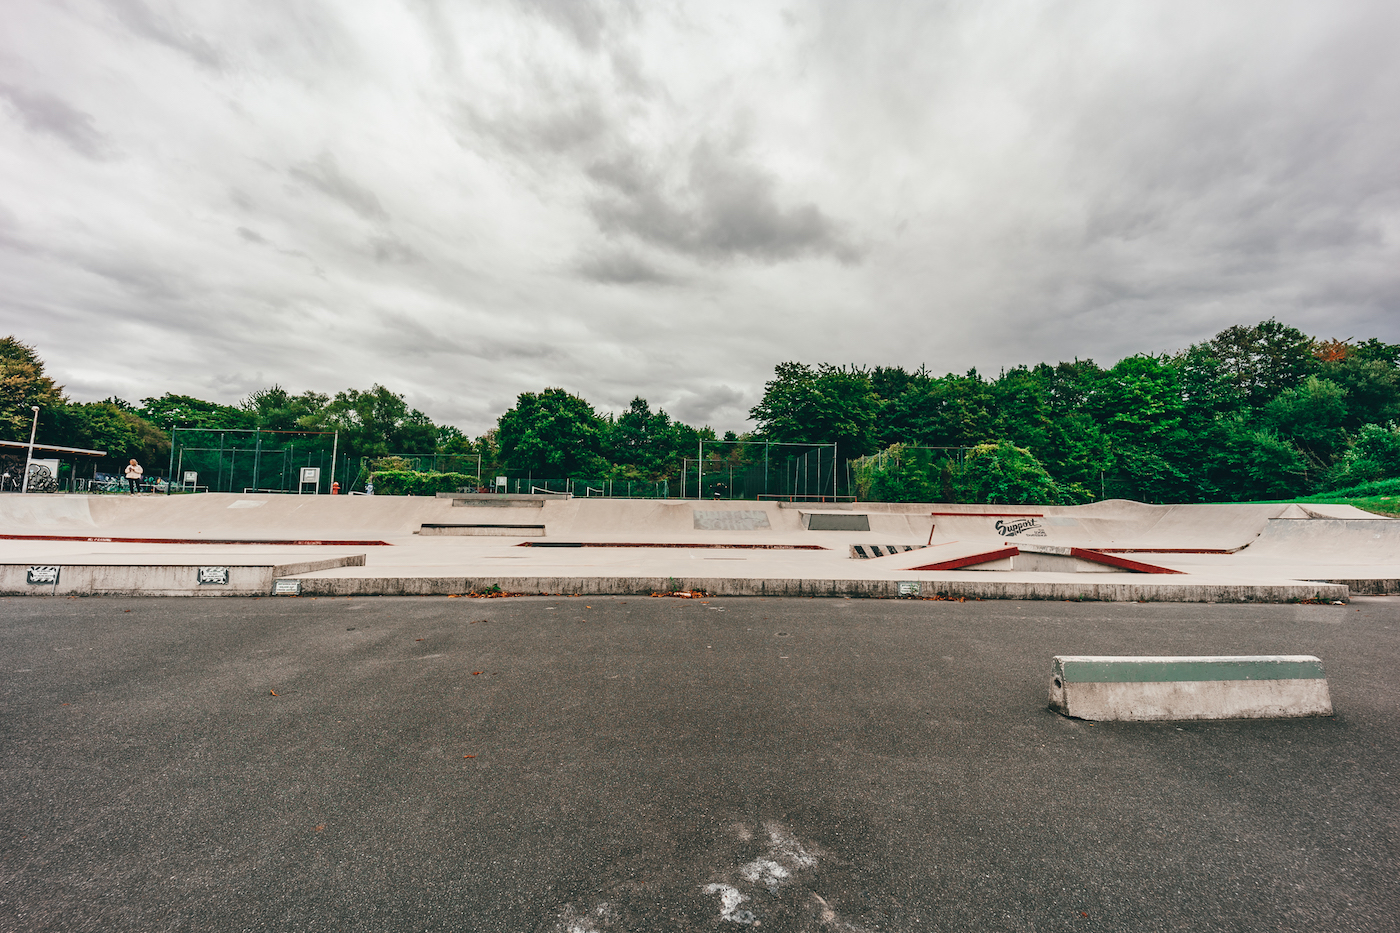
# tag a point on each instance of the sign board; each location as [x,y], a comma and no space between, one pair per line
[191,478]
[910,588]
[500,481]
[217,576]
[310,474]
[41,576]
[286,588]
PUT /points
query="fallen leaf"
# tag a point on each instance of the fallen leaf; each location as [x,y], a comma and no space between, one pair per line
[273,692]
[468,756]
[474,673]
[321,827]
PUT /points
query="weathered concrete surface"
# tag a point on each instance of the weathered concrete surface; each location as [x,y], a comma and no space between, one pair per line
[1144,689]
[1128,588]
[166,579]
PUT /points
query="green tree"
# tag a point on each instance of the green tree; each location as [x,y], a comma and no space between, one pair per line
[377,422]
[1263,360]
[121,432]
[1005,474]
[22,384]
[821,405]
[171,411]
[1374,456]
[950,411]
[276,409]
[900,474]
[1312,416]
[647,441]
[552,433]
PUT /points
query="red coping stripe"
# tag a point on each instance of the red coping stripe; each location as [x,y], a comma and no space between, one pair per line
[1099,557]
[751,547]
[1168,550]
[319,541]
[971,559]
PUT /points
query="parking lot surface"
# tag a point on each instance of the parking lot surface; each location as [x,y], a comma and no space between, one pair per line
[600,763]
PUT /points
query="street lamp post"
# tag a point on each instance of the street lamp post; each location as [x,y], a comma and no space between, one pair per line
[29,457]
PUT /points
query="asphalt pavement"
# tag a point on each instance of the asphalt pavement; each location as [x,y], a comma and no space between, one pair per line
[602,764]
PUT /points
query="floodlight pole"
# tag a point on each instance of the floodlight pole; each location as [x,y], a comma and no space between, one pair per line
[700,472]
[29,457]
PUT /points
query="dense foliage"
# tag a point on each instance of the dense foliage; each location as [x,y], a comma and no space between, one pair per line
[1255,412]
[1261,411]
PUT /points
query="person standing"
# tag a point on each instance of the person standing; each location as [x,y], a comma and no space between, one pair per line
[133,476]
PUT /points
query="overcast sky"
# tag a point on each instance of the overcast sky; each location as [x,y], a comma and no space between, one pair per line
[467,200]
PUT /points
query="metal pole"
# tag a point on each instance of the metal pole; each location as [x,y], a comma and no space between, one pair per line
[335,448]
[700,472]
[29,457]
[178,470]
[835,460]
[173,431]
[257,456]
[765,468]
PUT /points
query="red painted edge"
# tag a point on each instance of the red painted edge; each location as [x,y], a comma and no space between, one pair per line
[971,559]
[103,539]
[1167,550]
[729,547]
[1099,557]
[994,514]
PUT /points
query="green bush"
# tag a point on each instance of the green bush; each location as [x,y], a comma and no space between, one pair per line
[1003,473]
[1374,456]
[409,483]
[899,474]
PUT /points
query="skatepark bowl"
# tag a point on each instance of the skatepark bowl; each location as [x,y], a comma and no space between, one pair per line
[219,544]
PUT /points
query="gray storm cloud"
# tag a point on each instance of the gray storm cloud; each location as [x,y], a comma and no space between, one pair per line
[468,201]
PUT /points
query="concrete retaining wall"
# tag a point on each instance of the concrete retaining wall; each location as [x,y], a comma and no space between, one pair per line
[161,579]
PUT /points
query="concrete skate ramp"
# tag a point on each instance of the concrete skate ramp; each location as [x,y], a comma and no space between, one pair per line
[222,516]
[1111,525]
[1328,540]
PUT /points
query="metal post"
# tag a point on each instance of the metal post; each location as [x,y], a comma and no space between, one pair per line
[177,472]
[834,460]
[700,472]
[335,448]
[173,431]
[29,457]
[765,468]
[257,455]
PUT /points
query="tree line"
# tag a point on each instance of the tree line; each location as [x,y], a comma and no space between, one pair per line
[1261,411]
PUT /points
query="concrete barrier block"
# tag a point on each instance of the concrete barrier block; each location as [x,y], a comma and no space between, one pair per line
[1157,688]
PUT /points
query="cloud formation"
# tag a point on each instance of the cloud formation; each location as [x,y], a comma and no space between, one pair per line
[469,201]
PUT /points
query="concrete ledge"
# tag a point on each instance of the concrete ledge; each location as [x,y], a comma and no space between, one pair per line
[1167,688]
[874,589]
[500,530]
[162,579]
[1372,587]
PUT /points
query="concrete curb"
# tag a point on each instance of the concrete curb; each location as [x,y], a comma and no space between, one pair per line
[870,589]
[1142,689]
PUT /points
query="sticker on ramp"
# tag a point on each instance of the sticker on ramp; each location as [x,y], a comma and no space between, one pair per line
[731,520]
[286,588]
